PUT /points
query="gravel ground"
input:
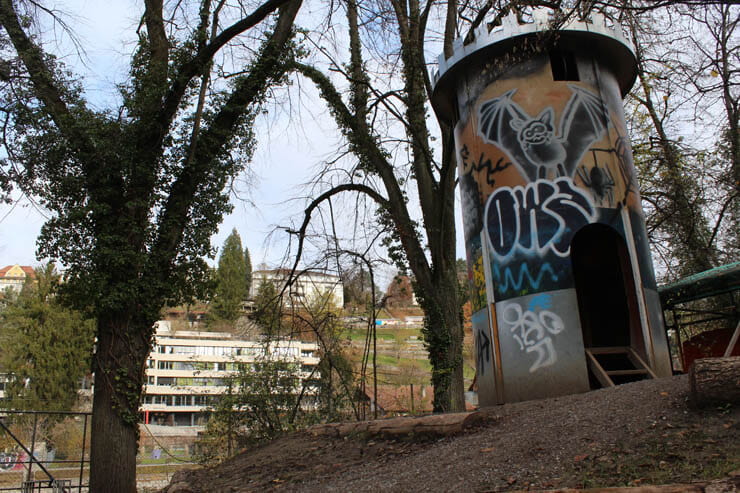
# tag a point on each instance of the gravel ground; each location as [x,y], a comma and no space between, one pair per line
[639,433]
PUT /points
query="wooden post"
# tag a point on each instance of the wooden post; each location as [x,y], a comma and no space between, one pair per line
[733,341]
[412,398]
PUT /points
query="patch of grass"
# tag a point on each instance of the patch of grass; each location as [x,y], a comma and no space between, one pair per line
[386,334]
[360,335]
[678,455]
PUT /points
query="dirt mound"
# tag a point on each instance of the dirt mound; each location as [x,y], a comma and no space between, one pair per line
[639,433]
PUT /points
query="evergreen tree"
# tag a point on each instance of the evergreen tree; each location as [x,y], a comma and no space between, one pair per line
[231,289]
[45,347]
[248,266]
[268,308]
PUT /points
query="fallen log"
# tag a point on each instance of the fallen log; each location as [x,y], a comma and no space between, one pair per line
[715,381]
[435,424]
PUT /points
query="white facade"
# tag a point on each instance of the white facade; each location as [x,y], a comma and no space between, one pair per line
[3,383]
[186,370]
[308,287]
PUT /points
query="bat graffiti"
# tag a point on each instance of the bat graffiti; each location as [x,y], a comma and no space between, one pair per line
[536,219]
[532,143]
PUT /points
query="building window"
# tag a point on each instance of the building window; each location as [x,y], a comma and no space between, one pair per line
[181,400]
[201,400]
[160,399]
[165,365]
[169,381]
[183,350]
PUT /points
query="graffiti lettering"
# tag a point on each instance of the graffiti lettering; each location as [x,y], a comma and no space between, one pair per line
[483,350]
[469,166]
[532,330]
[541,217]
[12,461]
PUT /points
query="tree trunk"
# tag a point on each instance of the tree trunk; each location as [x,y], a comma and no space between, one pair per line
[443,334]
[715,381]
[113,449]
[119,367]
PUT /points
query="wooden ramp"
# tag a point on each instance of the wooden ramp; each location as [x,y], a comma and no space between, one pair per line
[617,363]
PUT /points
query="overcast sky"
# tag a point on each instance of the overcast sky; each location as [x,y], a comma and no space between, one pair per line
[286,156]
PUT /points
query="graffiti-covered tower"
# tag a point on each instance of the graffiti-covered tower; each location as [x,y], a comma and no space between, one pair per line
[564,294]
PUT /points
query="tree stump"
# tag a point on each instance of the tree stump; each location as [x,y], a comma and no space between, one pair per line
[715,381]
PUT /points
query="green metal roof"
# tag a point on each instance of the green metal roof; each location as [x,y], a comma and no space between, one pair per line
[722,279]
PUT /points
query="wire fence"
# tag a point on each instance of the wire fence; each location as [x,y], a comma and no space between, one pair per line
[44,451]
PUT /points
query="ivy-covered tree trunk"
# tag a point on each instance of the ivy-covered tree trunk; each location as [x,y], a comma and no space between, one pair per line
[443,334]
[119,376]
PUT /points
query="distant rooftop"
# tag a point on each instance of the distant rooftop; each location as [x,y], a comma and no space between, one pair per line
[26,269]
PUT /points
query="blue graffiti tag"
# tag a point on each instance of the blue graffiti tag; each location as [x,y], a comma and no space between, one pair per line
[540,302]
[509,281]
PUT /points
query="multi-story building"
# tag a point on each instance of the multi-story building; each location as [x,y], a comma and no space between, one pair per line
[15,276]
[308,286]
[187,371]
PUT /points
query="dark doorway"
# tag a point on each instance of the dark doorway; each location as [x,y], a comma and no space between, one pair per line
[605,288]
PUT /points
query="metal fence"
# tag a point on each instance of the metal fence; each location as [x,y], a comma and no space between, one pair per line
[44,451]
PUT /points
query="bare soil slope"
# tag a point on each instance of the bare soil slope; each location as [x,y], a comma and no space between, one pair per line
[639,433]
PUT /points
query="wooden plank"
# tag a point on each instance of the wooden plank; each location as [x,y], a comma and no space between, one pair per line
[638,371]
[639,363]
[609,350]
[598,371]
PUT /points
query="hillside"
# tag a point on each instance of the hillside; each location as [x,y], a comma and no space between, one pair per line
[639,433]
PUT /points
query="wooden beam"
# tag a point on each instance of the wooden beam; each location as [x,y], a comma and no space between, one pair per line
[598,371]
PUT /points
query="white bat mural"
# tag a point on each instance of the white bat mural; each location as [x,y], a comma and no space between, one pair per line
[532,143]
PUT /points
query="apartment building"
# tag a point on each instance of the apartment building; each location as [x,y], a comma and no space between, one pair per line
[14,277]
[307,287]
[187,371]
